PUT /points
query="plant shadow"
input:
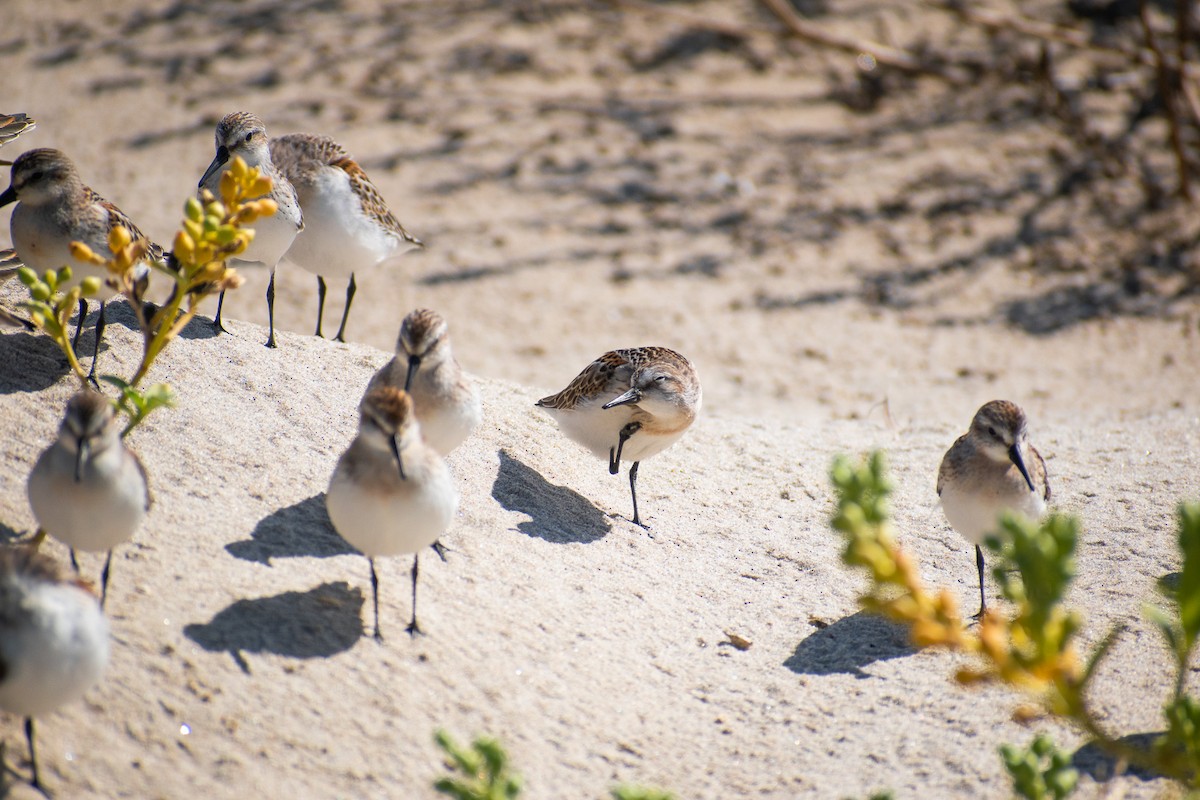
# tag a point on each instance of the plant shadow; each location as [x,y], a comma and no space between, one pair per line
[850,644]
[301,529]
[1098,765]
[557,514]
[319,623]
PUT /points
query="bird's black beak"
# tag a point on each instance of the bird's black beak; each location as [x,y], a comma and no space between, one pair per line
[414,363]
[632,396]
[396,453]
[81,456]
[1014,455]
[217,162]
[9,196]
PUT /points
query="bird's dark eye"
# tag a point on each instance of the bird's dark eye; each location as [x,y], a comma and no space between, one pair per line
[992,432]
[660,379]
[249,136]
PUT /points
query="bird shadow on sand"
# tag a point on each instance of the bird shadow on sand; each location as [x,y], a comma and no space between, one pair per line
[32,362]
[301,529]
[848,645]
[319,623]
[557,514]
[1100,766]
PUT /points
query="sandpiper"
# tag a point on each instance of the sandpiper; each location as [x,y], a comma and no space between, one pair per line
[348,226]
[53,639]
[628,405]
[87,489]
[445,402]
[243,134]
[54,208]
[390,493]
[992,468]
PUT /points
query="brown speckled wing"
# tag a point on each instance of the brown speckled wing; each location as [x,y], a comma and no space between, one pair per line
[117,218]
[373,204]
[594,378]
[295,154]
[947,462]
[1040,469]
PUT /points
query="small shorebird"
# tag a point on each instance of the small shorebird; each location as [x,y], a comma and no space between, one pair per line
[390,493]
[243,134]
[348,226]
[992,468]
[87,489]
[54,208]
[446,404]
[53,639]
[628,405]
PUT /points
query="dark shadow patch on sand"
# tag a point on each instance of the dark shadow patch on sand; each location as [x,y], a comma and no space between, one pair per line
[1098,765]
[319,623]
[558,514]
[31,362]
[299,530]
[848,645]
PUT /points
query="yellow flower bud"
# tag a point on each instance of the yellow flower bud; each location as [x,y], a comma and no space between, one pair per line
[228,187]
[184,247]
[118,238]
[89,285]
[40,292]
[81,252]
[260,187]
[215,209]
[59,278]
[194,229]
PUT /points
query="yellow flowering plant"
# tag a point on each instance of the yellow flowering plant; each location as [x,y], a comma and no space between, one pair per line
[1034,650]
[211,232]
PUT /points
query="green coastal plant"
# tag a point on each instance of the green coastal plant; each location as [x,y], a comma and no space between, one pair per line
[211,232]
[1041,771]
[482,772]
[483,767]
[1035,650]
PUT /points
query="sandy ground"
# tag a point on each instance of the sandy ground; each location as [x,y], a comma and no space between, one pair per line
[587,178]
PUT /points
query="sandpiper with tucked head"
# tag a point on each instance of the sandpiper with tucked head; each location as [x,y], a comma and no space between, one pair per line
[628,405]
[348,226]
[54,208]
[243,134]
[390,493]
[88,490]
[992,468]
[53,639]
[445,402]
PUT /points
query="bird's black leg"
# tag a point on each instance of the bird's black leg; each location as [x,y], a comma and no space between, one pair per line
[351,288]
[101,322]
[413,627]
[104,579]
[982,594]
[633,490]
[375,595]
[271,310]
[83,307]
[614,454]
[320,305]
[217,326]
[74,563]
